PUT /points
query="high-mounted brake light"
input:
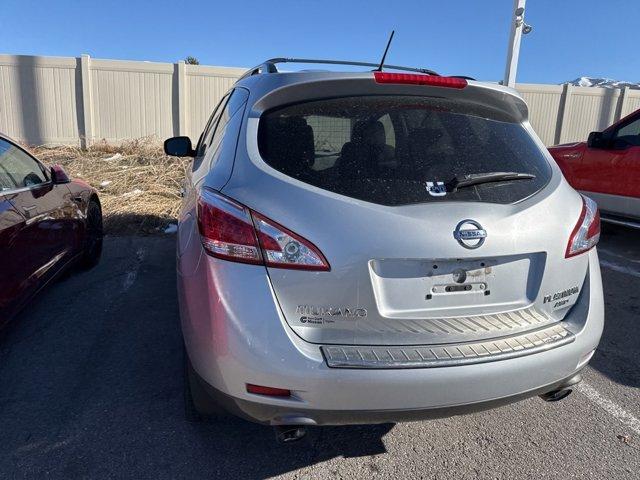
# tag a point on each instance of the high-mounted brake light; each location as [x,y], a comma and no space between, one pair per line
[231,231]
[586,233]
[419,79]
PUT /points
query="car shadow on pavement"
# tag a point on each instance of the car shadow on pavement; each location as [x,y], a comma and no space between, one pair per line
[239,449]
[91,386]
[127,223]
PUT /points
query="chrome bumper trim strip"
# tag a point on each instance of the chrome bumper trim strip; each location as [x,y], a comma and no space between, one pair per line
[447,355]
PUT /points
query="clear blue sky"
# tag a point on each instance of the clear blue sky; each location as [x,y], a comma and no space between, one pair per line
[570,38]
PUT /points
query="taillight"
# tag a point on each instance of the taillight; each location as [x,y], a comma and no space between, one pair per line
[226,229]
[283,248]
[586,233]
[419,79]
[231,231]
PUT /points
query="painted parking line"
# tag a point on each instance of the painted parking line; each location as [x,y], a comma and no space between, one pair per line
[610,407]
[619,263]
[609,253]
[132,273]
[634,272]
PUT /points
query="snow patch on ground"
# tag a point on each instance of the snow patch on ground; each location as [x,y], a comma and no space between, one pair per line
[133,193]
[171,228]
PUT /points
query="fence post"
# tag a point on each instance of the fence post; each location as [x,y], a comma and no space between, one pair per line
[182,98]
[623,102]
[565,106]
[86,136]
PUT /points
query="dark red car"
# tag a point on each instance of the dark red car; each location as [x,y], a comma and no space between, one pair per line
[607,168]
[47,223]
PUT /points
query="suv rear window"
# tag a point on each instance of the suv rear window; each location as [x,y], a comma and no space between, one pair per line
[387,149]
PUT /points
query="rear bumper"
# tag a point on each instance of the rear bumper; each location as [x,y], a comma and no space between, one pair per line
[232,342]
[284,415]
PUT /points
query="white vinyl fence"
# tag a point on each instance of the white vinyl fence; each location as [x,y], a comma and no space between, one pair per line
[67,100]
[564,113]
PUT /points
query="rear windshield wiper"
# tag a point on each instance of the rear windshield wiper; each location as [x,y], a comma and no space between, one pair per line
[461,181]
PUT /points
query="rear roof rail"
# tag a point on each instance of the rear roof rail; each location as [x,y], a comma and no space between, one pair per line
[269,66]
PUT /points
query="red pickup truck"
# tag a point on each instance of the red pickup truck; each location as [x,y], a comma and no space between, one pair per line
[607,168]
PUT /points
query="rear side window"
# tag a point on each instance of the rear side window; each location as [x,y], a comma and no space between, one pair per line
[236,101]
[212,136]
[391,150]
[224,131]
[209,130]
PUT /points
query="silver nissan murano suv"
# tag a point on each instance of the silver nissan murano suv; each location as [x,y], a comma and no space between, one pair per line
[379,246]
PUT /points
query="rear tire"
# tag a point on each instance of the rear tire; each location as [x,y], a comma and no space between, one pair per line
[198,404]
[92,248]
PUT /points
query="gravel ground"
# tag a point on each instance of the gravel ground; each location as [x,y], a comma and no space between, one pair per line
[91,387]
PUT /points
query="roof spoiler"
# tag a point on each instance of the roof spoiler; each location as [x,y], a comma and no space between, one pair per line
[269,66]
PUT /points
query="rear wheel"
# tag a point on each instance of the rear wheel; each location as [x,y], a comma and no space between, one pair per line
[92,249]
[198,404]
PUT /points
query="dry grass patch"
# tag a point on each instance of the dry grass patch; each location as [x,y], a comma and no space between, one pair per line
[139,186]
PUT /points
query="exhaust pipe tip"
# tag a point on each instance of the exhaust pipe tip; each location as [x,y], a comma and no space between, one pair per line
[556,395]
[289,433]
[562,391]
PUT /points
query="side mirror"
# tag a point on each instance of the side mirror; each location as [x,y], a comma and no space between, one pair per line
[179,147]
[597,140]
[58,175]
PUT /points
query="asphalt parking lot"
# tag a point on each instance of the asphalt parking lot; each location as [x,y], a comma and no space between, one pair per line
[91,387]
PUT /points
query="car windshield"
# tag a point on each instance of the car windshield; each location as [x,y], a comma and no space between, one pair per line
[398,150]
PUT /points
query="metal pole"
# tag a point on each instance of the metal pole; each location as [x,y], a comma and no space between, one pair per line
[513,50]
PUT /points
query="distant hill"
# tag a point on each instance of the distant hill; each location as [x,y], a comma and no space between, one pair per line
[602,82]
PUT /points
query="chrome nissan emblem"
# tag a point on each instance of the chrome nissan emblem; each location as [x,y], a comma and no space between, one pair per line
[469,234]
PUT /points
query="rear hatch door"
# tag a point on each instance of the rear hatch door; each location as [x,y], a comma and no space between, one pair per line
[364,178]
